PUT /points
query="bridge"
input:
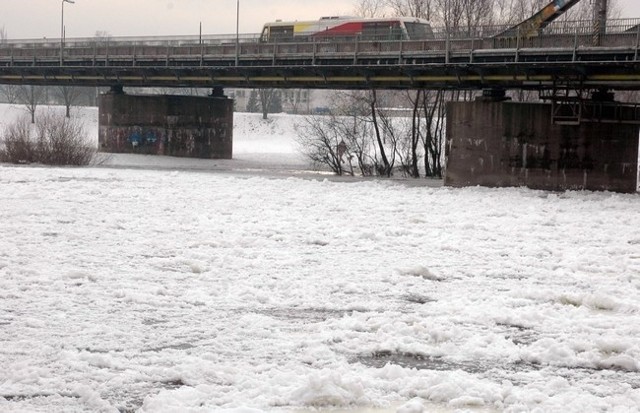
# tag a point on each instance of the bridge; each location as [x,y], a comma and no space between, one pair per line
[577,142]
[562,55]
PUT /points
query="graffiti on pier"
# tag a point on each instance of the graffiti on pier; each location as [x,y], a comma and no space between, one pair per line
[133,139]
[530,155]
[139,137]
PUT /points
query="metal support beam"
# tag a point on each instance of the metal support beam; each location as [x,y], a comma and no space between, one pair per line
[599,21]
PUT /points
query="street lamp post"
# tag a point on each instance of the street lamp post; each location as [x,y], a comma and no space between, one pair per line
[62,30]
[237,32]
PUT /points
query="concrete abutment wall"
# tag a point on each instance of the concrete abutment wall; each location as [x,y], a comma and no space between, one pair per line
[187,126]
[501,144]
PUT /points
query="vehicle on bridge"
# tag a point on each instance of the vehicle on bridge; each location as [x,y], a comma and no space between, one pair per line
[345,27]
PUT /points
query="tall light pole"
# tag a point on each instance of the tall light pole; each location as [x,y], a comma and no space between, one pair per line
[237,32]
[62,30]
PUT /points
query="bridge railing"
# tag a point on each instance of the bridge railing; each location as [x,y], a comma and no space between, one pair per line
[561,27]
[133,40]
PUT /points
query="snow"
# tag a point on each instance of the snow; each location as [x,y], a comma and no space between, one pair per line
[157,284]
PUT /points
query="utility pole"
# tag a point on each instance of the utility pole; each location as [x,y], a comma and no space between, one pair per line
[62,30]
[599,21]
[237,32]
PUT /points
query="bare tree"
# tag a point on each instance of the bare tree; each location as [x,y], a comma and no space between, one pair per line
[69,96]
[450,14]
[294,99]
[357,133]
[426,133]
[615,9]
[370,8]
[321,141]
[11,98]
[31,96]
[476,13]
[11,93]
[102,37]
[515,11]
[396,136]
[270,101]
[433,137]
[503,11]
[587,10]
[355,128]
[424,9]
[411,166]
[386,167]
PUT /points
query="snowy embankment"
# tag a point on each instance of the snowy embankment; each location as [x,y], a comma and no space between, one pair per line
[268,145]
[191,291]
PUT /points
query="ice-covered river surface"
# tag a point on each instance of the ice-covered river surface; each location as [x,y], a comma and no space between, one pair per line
[157,290]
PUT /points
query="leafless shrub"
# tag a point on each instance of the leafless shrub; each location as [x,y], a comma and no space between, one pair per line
[319,139]
[16,146]
[55,140]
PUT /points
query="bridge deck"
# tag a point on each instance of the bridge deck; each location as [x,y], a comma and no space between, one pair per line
[537,62]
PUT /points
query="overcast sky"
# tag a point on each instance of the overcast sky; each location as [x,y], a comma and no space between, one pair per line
[41,18]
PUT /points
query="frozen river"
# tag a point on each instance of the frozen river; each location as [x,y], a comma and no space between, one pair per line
[171,285]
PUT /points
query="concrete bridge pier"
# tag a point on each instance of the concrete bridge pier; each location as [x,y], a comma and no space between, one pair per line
[503,143]
[187,126]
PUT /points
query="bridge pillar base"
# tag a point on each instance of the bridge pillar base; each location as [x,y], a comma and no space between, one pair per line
[186,126]
[504,144]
